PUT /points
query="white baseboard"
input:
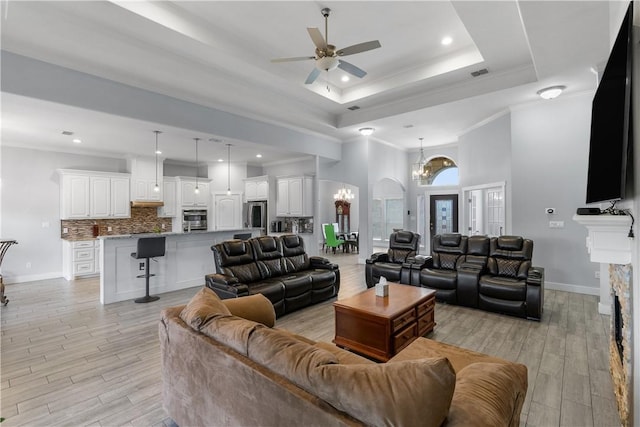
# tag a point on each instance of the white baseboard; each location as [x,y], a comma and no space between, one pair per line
[31,277]
[576,289]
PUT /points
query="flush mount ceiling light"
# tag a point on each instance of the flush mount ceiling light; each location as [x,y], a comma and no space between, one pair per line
[345,78]
[77,140]
[156,188]
[551,92]
[366,131]
[259,155]
[446,41]
[196,190]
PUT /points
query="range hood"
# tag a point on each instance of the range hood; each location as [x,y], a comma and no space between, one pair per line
[148,204]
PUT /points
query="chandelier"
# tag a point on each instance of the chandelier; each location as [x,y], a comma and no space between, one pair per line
[419,170]
[344,194]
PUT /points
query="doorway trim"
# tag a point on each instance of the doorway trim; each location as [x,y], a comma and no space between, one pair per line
[466,214]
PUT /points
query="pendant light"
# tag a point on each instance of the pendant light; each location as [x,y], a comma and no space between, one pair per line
[156,188]
[228,169]
[197,190]
[418,171]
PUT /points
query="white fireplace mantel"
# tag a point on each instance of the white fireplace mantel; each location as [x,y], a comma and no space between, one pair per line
[607,241]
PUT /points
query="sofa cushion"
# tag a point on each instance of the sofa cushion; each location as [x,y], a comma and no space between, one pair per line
[296,284]
[321,278]
[231,331]
[204,306]
[387,394]
[253,307]
[286,355]
[344,357]
[488,394]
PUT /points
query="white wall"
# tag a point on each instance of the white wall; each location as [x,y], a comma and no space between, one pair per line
[31,198]
[550,149]
[218,176]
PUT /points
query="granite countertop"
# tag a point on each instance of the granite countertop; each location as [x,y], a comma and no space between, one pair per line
[172,233]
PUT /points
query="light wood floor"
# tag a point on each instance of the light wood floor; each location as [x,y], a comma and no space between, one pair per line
[67,360]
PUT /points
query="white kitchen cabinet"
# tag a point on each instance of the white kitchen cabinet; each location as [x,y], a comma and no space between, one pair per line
[256,188]
[187,195]
[80,258]
[169,208]
[109,197]
[144,179]
[228,211]
[295,196]
[93,195]
[74,196]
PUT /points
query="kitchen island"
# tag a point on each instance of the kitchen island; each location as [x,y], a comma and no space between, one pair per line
[188,258]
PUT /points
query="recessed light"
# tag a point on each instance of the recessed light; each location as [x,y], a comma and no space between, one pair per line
[551,92]
[345,78]
[366,131]
[77,141]
[407,126]
[446,41]
[220,160]
[259,156]
[158,152]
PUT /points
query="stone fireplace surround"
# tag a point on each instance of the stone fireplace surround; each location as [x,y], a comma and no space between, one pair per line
[608,243]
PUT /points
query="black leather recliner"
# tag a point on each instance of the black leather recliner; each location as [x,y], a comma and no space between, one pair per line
[440,272]
[403,246]
[510,285]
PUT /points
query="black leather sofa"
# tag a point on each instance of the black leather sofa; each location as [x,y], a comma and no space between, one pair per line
[277,267]
[493,274]
[403,247]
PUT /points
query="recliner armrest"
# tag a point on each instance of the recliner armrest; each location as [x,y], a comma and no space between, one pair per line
[535,276]
[322,263]
[378,257]
[417,262]
[470,266]
[226,286]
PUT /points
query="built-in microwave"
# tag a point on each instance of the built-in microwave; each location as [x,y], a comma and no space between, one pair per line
[194,219]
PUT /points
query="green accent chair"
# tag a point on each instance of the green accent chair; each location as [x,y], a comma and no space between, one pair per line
[331,240]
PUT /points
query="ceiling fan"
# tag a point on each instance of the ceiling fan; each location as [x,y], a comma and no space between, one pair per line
[327,56]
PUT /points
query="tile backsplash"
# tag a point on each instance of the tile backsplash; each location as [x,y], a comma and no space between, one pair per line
[142,220]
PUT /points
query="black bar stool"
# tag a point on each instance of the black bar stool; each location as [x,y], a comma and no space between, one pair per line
[148,247]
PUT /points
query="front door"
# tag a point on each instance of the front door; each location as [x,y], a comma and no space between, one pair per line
[443,210]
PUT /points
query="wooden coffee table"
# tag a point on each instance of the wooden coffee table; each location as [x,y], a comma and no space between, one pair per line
[379,327]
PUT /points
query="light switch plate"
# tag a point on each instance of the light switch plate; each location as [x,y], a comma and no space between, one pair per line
[556,224]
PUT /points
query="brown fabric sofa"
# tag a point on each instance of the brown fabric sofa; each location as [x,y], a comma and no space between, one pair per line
[221,369]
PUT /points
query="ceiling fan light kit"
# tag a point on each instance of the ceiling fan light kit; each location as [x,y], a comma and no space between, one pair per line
[326,55]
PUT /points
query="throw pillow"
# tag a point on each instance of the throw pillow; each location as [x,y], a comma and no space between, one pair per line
[253,307]
[392,394]
[204,306]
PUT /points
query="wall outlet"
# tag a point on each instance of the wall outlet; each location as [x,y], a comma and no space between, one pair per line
[141,266]
[556,224]
[109,229]
[65,230]
[28,265]
[45,224]
[164,226]
[597,274]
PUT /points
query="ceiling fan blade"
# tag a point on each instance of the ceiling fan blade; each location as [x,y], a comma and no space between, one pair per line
[297,58]
[316,37]
[351,69]
[357,48]
[312,76]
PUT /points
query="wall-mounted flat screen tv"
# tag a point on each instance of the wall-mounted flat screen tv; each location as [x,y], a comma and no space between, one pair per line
[611,123]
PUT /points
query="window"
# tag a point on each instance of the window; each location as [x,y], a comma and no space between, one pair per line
[386,215]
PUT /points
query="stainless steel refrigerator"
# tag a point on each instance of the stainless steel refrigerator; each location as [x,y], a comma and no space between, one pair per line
[256,215]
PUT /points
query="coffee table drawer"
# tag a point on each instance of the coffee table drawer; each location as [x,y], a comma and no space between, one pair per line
[425,307]
[403,320]
[404,338]
[426,324]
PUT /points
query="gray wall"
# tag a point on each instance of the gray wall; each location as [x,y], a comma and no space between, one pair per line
[550,149]
[31,199]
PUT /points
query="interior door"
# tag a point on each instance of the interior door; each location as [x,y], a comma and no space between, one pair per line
[443,218]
